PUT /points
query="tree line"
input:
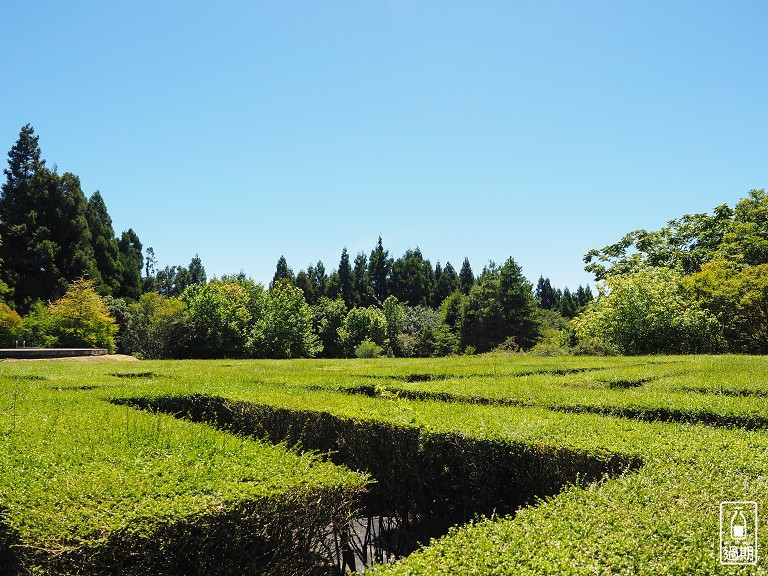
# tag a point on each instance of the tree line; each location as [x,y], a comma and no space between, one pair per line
[59,257]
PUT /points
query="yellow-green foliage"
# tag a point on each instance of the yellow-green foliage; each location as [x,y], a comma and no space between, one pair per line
[81,318]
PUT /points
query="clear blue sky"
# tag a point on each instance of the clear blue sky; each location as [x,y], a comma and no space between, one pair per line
[246,130]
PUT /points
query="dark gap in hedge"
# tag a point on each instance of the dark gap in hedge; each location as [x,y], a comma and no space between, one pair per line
[74,388]
[135,375]
[645,414]
[432,377]
[736,392]
[10,565]
[629,383]
[425,483]
[27,377]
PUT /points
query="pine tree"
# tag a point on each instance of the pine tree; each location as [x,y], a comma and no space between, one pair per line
[347,280]
[545,295]
[445,285]
[379,272]
[44,226]
[19,229]
[132,262]
[105,246]
[361,280]
[319,280]
[282,271]
[196,271]
[466,277]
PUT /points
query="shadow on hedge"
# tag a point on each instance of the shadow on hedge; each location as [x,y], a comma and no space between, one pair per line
[424,482]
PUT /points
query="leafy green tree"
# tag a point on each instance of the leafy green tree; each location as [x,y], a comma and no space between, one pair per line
[395,315]
[379,272]
[82,318]
[647,312]
[219,319]
[157,327]
[347,280]
[37,327]
[105,246]
[424,334]
[452,311]
[328,319]
[466,277]
[363,324]
[746,240]
[737,295]
[132,262]
[684,244]
[285,328]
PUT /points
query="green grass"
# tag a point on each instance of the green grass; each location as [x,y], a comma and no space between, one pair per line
[80,475]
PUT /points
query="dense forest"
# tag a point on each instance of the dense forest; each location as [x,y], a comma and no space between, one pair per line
[700,284]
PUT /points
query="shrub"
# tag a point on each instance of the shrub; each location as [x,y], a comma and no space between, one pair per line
[647,312]
[9,322]
[363,324]
[368,349]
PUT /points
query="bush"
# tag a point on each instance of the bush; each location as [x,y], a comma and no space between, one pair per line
[647,312]
[368,349]
[9,322]
[363,324]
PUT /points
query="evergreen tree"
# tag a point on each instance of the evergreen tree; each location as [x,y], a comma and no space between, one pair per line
[568,304]
[545,295]
[24,261]
[445,285]
[412,278]
[466,277]
[361,279]
[44,226]
[282,271]
[196,271]
[347,280]
[500,306]
[305,285]
[132,262]
[583,296]
[150,262]
[318,279]
[379,272]
[105,245]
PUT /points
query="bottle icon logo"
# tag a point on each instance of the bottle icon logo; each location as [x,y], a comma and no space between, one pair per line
[738,533]
[738,525]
